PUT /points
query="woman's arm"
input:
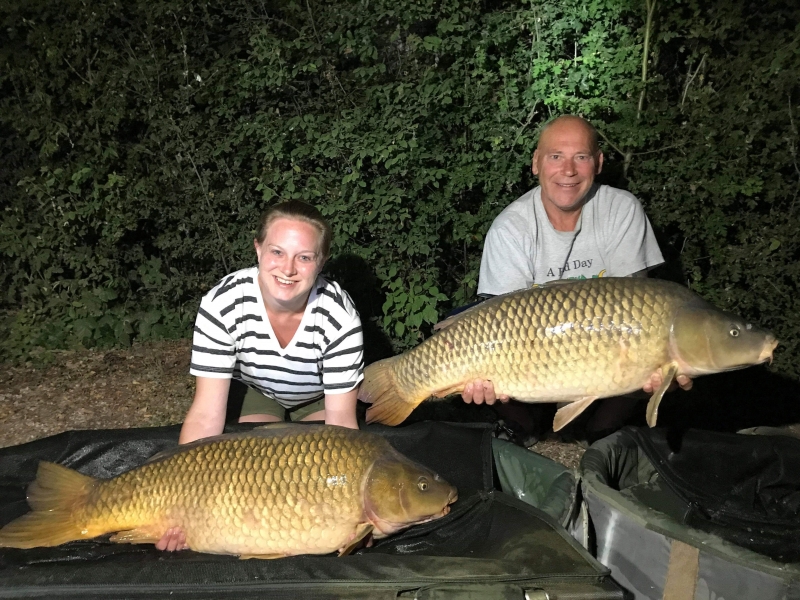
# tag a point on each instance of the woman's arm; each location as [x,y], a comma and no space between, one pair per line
[340,409]
[206,416]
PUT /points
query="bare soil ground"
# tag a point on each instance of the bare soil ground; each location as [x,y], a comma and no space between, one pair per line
[143,386]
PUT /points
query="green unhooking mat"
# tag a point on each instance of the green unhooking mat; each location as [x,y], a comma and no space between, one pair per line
[491,545]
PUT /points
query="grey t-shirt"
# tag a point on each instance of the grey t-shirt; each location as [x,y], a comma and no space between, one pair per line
[612,238]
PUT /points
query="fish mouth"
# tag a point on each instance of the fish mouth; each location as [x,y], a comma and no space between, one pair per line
[442,513]
[451,498]
[385,528]
[769,348]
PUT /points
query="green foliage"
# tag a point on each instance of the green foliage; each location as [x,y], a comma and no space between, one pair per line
[722,181]
[141,141]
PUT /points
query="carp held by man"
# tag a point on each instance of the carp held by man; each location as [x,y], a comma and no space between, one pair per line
[572,342]
[268,493]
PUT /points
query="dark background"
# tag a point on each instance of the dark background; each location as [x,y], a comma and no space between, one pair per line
[141,140]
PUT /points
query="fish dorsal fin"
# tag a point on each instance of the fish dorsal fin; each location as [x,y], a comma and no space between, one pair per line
[566,414]
[264,431]
[652,406]
[457,317]
[475,307]
[554,283]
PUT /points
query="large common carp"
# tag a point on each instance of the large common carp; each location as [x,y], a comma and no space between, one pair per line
[267,493]
[569,341]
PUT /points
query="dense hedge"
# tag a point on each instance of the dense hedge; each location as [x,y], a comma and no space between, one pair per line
[141,140]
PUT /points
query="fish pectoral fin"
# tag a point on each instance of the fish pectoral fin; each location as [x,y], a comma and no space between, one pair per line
[444,392]
[140,535]
[262,556]
[362,531]
[565,415]
[655,399]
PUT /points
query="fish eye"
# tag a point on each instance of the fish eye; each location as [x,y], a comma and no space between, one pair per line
[734,331]
[422,484]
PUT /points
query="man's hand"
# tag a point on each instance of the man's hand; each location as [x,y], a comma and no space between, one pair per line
[480,391]
[657,378]
[173,539]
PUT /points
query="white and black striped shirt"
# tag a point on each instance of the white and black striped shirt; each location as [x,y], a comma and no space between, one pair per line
[233,338]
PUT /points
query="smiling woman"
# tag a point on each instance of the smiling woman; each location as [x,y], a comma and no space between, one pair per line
[292,337]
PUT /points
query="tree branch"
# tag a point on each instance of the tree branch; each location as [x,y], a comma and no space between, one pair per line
[610,143]
[689,80]
[648,29]
[524,125]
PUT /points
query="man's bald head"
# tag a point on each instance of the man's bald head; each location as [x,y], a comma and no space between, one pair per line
[594,137]
[566,161]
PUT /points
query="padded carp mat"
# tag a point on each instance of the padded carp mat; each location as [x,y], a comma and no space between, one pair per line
[490,544]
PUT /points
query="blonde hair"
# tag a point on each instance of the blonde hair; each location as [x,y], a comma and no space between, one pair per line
[298,211]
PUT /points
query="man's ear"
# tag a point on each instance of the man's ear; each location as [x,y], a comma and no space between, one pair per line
[534,168]
[599,163]
[258,249]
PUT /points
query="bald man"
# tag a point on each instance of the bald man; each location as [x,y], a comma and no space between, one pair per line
[567,227]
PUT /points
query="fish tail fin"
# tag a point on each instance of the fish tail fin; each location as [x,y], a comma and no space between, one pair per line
[390,404]
[53,496]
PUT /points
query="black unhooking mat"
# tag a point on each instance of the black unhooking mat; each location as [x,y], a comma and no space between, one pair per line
[489,546]
[742,488]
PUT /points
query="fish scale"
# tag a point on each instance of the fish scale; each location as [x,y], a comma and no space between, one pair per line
[569,341]
[267,493]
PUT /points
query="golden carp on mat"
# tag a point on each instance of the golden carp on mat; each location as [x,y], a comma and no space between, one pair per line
[569,341]
[268,493]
